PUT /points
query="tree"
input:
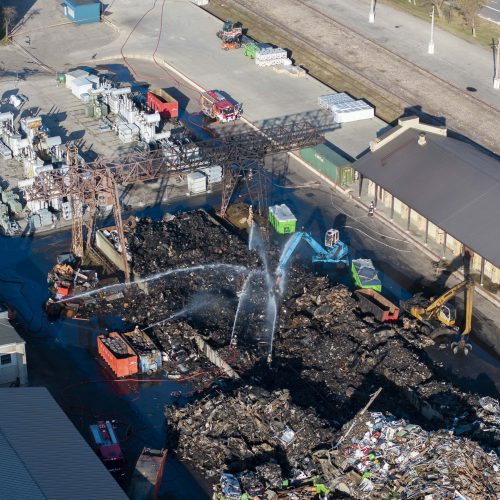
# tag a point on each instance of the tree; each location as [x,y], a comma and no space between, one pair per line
[9,13]
[439,4]
[469,9]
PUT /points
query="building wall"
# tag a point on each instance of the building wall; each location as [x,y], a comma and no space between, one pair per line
[16,368]
[435,233]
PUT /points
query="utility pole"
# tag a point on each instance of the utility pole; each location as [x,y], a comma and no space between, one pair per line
[496,80]
[431,42]
[371,17]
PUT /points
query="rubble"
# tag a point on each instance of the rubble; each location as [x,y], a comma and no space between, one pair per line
[386,457]
[327,359]
[245,428]
[188,239]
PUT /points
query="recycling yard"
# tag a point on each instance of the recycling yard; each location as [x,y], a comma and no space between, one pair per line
[198,274]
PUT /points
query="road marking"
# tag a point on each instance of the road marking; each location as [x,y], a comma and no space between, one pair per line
[492,8]
[489,19]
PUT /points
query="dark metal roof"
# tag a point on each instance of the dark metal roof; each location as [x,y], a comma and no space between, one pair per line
[42,455]
[8,334]
[451,183]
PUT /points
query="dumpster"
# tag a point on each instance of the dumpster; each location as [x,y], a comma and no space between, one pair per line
[117,354]
[371,302]
[282,219]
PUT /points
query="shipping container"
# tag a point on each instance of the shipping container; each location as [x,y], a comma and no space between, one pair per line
[148,474]
[282,219]
[330,163]
[149,356]
[164,103]
[117,354]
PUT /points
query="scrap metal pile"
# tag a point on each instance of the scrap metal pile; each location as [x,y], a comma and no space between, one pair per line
[188,239]
[327,359]
[386,457]
[246,428]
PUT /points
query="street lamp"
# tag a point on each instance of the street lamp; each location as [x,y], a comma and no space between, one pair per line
[496,80]
[431,42]
[371,17]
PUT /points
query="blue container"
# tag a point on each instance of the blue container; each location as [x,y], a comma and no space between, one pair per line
[149,358]
[83,11]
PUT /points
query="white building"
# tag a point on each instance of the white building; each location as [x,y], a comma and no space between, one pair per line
[13,368]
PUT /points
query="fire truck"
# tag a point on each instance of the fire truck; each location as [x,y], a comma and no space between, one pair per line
[220,108]
[107,447]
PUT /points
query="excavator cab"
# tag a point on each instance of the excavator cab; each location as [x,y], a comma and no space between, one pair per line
[332,236]
[447,315]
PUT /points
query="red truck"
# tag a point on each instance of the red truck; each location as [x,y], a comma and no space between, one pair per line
[218,107]
[107,447]
[164,103]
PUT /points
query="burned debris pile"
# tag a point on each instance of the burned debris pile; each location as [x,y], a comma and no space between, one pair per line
[188,239]
[246,428]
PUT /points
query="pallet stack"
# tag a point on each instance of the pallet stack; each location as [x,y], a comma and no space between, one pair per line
[345,108]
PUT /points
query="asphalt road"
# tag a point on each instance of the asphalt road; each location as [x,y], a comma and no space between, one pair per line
[455,60]
[491,12]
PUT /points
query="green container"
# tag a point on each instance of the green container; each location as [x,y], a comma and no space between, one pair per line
[89,111]
[251,50]
[365,275]
[330,163]
[104,109]
[61,78]
[282,219]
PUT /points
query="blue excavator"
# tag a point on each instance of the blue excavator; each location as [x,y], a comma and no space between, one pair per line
[334,255]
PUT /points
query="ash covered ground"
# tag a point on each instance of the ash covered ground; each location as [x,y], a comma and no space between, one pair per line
[327,359]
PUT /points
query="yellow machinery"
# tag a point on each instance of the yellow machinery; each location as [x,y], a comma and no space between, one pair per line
[439,317]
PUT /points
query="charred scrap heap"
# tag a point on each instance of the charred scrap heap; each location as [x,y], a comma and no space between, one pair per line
[299,425]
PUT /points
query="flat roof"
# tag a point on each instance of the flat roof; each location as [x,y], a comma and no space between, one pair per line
[449,182]
[42,455]
[8,334]
[82,2]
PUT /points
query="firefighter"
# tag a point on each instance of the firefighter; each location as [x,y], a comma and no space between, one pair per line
[371,209]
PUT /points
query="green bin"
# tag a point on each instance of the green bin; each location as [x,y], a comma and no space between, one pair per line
[282,219]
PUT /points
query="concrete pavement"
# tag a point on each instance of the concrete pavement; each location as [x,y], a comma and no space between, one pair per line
[462,63]
[268,97]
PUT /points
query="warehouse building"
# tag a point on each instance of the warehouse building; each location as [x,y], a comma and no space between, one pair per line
[42,455]
[446,189]
[83,11]
[13,369]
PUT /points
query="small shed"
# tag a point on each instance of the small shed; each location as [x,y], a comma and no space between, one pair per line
[83,11]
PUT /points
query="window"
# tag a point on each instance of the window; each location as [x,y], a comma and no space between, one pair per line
[5,359]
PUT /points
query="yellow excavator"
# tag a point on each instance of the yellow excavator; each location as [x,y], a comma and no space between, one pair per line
[439,317]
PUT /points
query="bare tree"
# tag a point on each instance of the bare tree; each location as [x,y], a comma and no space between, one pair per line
[9,13]
[469,9]
[439,4]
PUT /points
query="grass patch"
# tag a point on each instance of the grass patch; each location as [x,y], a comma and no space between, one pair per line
[319,65]
[452,21]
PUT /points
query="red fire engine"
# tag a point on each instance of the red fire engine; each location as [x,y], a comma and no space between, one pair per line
[216,106]
[107,447]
